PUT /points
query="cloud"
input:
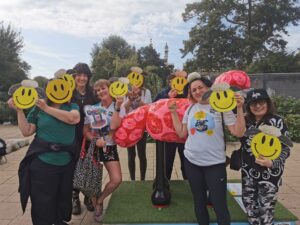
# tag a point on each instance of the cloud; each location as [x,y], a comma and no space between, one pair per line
[94,19]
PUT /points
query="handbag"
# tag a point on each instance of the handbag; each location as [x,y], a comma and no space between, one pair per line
[236,160]
[88,171]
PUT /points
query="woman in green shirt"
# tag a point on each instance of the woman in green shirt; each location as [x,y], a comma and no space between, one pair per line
[46,172]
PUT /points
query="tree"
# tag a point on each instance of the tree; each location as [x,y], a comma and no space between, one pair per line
[149,57]
[234,33]
[279,62]
[42,81]
[111,57]
[12,68]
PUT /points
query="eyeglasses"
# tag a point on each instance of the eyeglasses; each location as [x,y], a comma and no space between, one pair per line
[258,102]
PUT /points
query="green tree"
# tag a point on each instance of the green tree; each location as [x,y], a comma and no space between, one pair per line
[42,81]
[149,57]
[279,62]
[112,57]
[233,33]
[12,68]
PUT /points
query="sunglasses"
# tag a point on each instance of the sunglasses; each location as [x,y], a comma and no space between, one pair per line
[258,102]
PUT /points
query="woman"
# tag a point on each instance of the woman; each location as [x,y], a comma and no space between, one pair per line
[135,98]
[204,148]
[82,95]
[46,172]
[261,177]
[107,147]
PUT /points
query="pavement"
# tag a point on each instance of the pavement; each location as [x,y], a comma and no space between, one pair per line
[10,208]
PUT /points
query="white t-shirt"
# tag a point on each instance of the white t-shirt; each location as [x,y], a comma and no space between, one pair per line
[205,143]
[105,132]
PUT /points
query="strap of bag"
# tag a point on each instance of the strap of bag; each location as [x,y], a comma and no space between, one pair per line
[223,127]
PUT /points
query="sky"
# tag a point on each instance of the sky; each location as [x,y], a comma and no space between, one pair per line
[60,33]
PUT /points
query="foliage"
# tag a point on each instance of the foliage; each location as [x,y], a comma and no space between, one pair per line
[279,62]
[112,57]
[148,57]
[7,114]
[152,81]
[42,81]
[234,33]
[12,68]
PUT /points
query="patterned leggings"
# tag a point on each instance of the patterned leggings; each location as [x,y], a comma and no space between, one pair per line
[259,199]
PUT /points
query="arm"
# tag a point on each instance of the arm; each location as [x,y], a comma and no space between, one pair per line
[70,117]
[181,129]
[26,128]
[90,136]
[239,127]
[116,119]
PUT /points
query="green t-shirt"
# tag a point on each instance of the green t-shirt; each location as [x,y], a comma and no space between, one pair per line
[52,130]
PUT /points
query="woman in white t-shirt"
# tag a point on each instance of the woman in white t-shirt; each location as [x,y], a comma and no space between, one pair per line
[135,98]
[105,143]
[204,148]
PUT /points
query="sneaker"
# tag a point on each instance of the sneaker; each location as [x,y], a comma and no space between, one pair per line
[89,205]
[76,208]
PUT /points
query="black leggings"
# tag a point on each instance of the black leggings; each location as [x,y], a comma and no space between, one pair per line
[214,179]
[141,149]
[51,192]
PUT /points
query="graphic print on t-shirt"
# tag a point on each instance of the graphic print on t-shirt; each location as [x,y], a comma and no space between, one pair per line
[202,122]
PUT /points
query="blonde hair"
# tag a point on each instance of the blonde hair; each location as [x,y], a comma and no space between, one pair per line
[101,83]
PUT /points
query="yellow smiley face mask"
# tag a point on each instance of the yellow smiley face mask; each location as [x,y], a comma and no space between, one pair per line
[136,79]
[119,88]
[59,91]
[69,78]
[26,93]
[267,141]
[221,97]
[178,83]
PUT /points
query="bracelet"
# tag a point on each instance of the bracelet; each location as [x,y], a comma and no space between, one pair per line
[117,109]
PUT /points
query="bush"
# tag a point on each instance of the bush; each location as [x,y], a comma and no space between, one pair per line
[7,114]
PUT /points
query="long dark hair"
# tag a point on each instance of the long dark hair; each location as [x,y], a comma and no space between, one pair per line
[80,68]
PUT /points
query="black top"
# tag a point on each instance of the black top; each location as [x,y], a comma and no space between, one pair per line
[82,100]
[255,171]
[164,94]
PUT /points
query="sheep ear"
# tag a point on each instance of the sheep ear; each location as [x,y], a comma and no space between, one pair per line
[286,140]
[251,131]
[13,88]
[41,92]
[206,95]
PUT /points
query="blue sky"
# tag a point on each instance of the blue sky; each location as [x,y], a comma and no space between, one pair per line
[59,33]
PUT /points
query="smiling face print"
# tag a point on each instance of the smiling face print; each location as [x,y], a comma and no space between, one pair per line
[25,97]
[69,78]
[266,145]
[222,101]
[118,89]
[59,91]
[136,79]
[178,84]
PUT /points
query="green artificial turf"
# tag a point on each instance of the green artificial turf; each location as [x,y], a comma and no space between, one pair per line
[131,203]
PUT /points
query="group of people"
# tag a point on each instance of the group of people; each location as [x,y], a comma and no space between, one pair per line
[46,172]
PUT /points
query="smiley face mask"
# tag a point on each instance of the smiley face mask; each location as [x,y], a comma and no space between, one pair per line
[221,97]
[267,141]
[178,83]
[26,93]
[119,88]
[59,91]
[136,79]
